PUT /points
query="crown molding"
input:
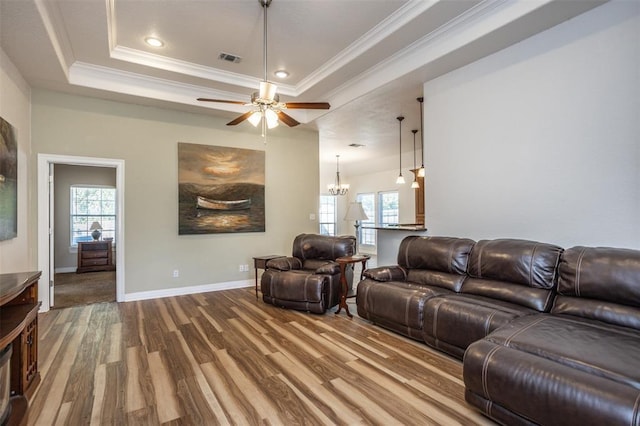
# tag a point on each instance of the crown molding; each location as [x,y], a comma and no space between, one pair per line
[479,21]
[53,24]
[105,78]
[384,29]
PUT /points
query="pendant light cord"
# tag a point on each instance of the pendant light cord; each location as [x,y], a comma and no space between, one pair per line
[400,143]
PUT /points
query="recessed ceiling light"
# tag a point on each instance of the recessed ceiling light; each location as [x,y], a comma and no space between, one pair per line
[281,74]
[155,42]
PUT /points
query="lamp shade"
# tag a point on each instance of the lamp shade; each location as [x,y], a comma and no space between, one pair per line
[94,226]
[356,212]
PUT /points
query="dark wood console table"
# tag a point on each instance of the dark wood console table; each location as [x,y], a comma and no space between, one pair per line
[19,328]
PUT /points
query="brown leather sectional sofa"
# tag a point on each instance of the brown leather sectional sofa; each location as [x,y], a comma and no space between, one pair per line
[547,336]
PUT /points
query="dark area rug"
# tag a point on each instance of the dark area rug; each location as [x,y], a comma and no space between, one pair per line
[83,289]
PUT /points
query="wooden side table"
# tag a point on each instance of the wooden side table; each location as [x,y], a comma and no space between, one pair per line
[343,262]
[260,262]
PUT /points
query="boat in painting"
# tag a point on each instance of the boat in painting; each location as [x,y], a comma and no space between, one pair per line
[209,204]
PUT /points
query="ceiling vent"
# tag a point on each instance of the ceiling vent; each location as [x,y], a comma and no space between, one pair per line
[230,58]
[356,145]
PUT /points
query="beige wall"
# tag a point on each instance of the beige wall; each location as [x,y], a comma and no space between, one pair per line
[18,254]
[65,176]
[146,139]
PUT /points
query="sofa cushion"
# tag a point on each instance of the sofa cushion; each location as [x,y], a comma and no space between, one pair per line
[444,254]
[523,262]
[295,285]
[518,271]
[452,322]
[600,283]
[321,266]
[588,370]
[323,247]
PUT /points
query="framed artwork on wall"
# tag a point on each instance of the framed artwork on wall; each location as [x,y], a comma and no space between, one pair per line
[220,189]
[8,181]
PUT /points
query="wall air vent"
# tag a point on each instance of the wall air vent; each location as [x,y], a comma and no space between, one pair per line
[356,145]
[230,58]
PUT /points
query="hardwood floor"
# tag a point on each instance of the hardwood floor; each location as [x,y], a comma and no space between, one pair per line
[227,358]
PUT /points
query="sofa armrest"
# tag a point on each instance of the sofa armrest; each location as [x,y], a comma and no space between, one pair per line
[330,268]
[386,273]
[284,263]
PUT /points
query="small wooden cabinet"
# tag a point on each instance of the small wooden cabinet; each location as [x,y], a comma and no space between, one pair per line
[95,256]
[19,328]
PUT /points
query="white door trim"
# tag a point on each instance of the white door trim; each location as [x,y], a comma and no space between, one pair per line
[44,160]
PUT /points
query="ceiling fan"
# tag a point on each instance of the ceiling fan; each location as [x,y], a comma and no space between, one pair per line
[267,108]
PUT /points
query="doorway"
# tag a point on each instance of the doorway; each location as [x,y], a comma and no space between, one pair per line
[83,196]
[46,224]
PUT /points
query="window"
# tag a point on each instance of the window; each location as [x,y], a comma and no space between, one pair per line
[368,236]
[389,211]
[92,204]
[327,215]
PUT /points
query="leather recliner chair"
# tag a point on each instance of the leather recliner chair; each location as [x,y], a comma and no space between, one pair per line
[309,280]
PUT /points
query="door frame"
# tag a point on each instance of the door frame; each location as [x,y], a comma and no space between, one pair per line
[44,162]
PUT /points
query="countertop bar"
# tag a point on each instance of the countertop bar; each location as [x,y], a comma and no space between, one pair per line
[409,227]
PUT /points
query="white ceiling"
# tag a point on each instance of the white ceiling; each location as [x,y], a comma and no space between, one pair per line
[368,58]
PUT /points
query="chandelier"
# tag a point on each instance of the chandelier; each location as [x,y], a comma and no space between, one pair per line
[338,188]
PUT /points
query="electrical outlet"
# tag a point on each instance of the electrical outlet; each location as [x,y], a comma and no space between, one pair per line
[176,273]
[312,216]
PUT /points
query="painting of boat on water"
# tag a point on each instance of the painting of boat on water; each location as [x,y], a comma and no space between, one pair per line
[220,189]
[8,181]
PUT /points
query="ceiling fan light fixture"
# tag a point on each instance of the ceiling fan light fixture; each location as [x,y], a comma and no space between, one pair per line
[267,91]
[271,117]
[281,74]
[255,118]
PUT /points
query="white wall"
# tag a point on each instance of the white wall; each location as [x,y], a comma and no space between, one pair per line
[542,140]
[18,254]
[147,140]
[65,175]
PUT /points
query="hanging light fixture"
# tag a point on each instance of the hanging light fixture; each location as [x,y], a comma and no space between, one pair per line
[338,188]
[421,170]
[414,184]
[400,180]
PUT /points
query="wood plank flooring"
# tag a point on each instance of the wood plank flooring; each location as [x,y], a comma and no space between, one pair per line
[226,358]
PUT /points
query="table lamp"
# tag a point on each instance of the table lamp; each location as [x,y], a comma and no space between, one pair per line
[356,212]
[96,228]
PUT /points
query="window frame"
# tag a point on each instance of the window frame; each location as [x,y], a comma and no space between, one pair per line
[381,217]
[90,218]
[321,214]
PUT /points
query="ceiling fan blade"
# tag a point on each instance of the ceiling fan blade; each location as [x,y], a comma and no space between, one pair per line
[240,119]
[222,101]
[287,119]
[307,105]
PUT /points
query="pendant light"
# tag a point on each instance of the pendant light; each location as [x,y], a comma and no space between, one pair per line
[414,184]
[338,188]
[421,170]
[400,180]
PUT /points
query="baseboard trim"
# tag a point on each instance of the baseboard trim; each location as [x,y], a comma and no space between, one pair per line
[182,291]
[65,270]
